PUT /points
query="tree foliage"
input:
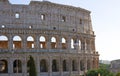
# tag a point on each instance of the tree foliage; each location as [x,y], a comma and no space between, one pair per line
[32,68]
[118,74]
[92,73]
[104,66]
[102,72]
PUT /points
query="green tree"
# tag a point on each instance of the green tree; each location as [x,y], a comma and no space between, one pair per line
[104,72]
[32,68]
[101,71]
[118,74]
[92,73]
[104,66]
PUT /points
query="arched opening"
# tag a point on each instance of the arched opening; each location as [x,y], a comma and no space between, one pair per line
[17,42]
[3,42]
[83,45]
[81,21]
[64,43]
[64,65]
[43,66]
[17,66]
[53,43]
[63,19]
[88,64]
[42,16]
[74,65]
[54,66]
[72,44]
[3,66]
[82,67]
[79,45]
[42,42]
[30,42]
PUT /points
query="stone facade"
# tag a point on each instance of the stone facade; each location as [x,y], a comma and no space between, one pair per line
[59,37]
[115,66]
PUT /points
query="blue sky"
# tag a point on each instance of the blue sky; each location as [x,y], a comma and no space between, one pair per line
[105,16]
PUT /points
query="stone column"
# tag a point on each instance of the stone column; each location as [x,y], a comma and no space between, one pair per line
[90,46]
[78,60]
[24,66]
[85,45]
[48,42]
[59,42]
[77,45]
[10,42]
[93,45]
[69,44]
[91,63]
[10,66]
[60,66]
[70,66]
[97,63]
[24,42]
[85,64]
[37,42]
[37,60]
[50,66]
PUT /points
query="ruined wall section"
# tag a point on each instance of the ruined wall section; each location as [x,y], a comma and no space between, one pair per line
[56,17]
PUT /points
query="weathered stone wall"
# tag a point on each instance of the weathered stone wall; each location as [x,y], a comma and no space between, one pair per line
[59,37]
[115,66]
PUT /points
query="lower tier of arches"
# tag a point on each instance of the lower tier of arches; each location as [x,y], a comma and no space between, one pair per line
[47,64]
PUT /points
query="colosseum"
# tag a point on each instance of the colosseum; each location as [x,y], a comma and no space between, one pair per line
[59,37]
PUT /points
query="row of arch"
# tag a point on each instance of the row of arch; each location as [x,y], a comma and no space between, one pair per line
[30,43]
[44,64]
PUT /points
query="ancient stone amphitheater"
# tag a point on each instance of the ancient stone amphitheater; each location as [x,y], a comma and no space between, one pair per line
[59,37]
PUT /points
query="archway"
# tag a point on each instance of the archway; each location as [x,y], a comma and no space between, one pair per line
[64,46]
[64,65]
[82,67]
[3,66]
[74,65]
[17,66]
[53,43]
[43,66]
[3,42]
[17,42]
[54,66]
[30,42]
[42,42]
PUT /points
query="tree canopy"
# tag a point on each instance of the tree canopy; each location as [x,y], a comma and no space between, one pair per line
[103,71]
[118,74]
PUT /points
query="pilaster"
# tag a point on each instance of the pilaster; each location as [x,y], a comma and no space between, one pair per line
[24,66]
[10,66]
[37,42]
[10,42]
[49,42]
[50,66]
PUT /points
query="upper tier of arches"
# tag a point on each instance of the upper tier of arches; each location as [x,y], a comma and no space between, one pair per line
[16,42]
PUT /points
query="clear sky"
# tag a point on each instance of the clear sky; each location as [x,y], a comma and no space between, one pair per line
[105,16]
